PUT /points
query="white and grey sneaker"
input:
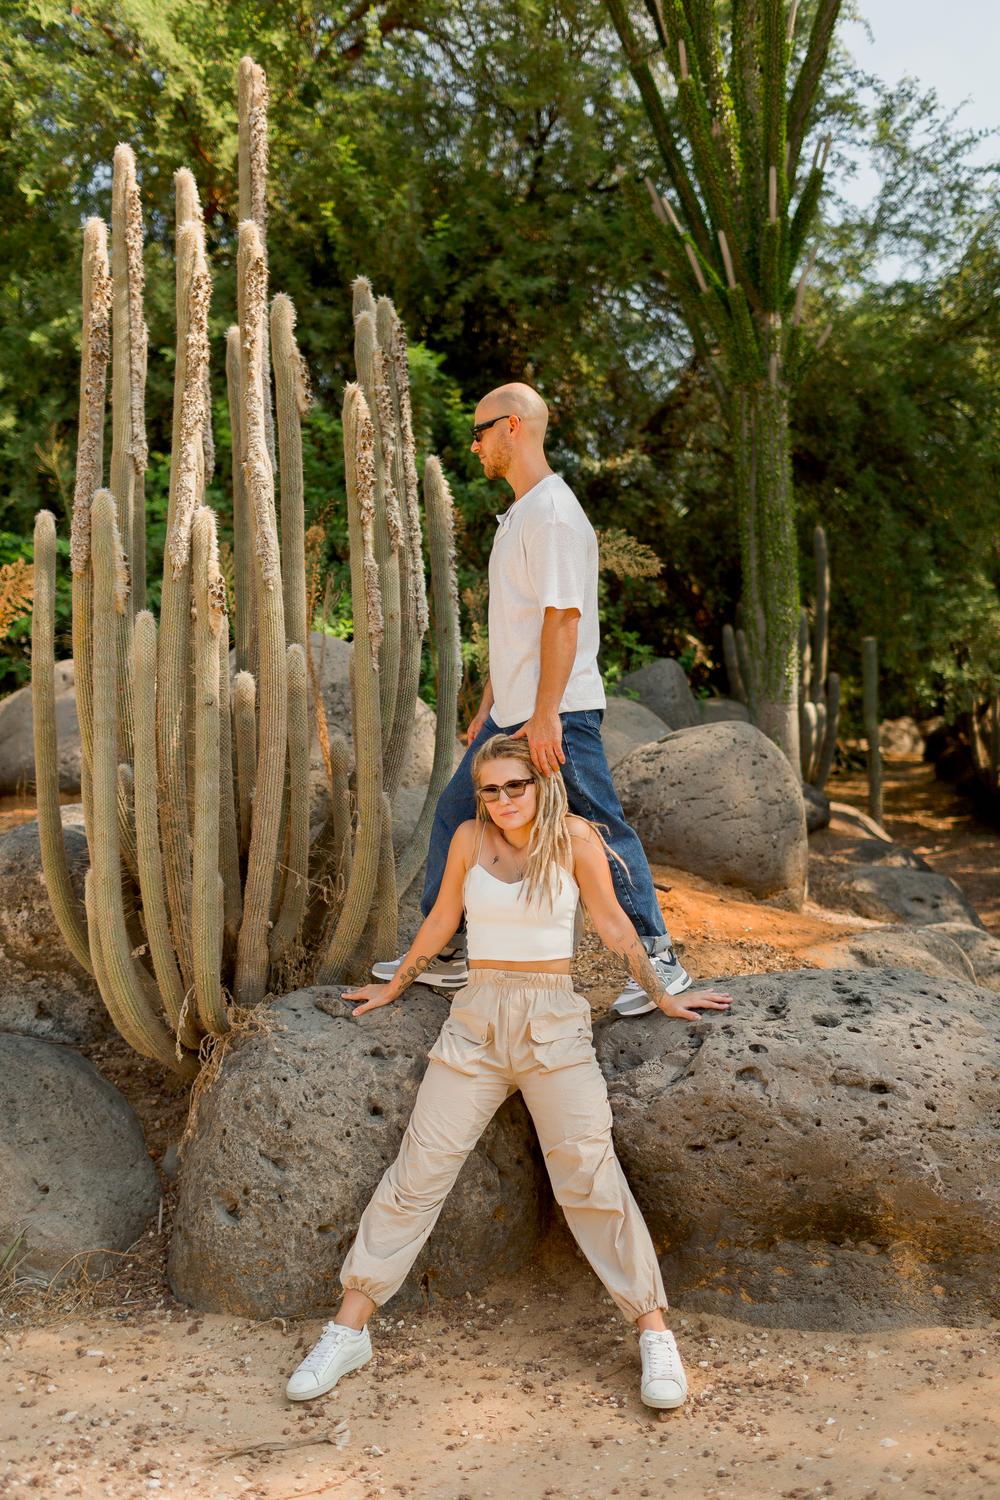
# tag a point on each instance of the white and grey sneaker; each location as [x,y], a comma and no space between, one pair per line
[664,1384]
[337,1351]
[449,971]
[633,1000]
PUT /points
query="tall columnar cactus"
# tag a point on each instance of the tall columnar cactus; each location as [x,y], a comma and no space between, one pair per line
[196,787]
[818,689]
[729,124]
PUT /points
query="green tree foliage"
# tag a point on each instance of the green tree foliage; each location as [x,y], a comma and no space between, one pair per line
[468,159]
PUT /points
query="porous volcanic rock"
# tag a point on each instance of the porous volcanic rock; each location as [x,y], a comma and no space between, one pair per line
[664,689]
[75,1175]
[817,808]
[823,1156]
[721,801]
[929,950]
[292,1140]
[28,930]
[332,657]
[719,710]
[17,748]
[628,723]
[916,896]
[981,948]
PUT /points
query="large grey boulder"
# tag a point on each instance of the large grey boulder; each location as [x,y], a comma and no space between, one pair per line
[17,749]
[721,801]
[817,805]
[333,666]
[664,689]
[292,1140]
[980,947]
[826,1155]
[627,724]
[719,710]
[76,1180]
[900,737]
[928,950]
[43,990]
[28,930]
[916,896]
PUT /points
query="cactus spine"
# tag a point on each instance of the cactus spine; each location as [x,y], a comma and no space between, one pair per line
[196,799]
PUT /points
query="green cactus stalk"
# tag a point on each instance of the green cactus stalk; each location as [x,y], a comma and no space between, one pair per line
[252,949]
[127,994]
[737,690]
[126,818]
[246,609]
[252,155]
[869,690]
[130,335]
[413,595]
[147,833]
[296,882]
[229,837]
[382,932]
[186,489]
[828,748]
[94,351]
[291,390]
[821,652]
[70,919]
[441,535]
[245,733]
[206,882]
[359,448]
[388,523]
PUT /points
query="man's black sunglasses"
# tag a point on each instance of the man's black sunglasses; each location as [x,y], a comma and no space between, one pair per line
[480,427]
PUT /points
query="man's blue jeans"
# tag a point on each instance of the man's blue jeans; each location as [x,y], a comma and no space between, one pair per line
[591,794]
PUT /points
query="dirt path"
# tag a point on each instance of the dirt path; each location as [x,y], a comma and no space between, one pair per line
[528,1390]
[933,820]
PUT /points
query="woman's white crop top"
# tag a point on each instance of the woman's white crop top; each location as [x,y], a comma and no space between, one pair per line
[502,924]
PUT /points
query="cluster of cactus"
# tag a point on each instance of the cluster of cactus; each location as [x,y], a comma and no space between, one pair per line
[205,891]
[818,689]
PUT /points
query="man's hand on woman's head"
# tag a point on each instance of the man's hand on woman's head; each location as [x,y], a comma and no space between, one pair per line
[544,734]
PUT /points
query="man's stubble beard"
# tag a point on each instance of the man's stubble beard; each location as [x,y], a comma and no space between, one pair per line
[498,464]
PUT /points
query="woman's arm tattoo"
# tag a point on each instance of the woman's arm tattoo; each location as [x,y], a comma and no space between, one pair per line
[406,976]
[633,951]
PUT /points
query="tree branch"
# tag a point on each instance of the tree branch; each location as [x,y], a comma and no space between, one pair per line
[807,83]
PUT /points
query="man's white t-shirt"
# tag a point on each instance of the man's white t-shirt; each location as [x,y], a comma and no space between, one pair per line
[544,557]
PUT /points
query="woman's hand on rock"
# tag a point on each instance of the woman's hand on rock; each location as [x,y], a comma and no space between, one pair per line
[373,996]
[682,1007]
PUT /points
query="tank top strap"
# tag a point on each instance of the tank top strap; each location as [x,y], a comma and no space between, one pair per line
[479,846]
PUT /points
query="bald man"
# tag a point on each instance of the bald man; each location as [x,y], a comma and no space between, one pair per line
[544,683]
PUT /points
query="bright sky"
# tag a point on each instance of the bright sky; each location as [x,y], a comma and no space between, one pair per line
[954,48]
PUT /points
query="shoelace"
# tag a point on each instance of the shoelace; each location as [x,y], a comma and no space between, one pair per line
[320,1353]
[663,1360]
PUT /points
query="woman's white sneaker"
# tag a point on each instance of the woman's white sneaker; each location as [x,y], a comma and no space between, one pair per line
[664,1384]
[337,1351]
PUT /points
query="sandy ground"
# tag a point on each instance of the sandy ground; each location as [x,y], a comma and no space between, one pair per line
[528,1387]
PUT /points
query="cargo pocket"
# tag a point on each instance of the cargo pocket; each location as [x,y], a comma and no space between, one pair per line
[462,1041]
[560,1039]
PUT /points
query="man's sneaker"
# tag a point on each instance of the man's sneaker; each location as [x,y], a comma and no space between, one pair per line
[449,971]
[664,1384]
[633,1000]
[338,1351]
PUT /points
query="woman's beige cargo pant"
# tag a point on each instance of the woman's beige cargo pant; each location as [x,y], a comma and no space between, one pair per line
[511,1030]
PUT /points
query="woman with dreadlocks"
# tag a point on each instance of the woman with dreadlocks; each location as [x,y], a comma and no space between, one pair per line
[519,871]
